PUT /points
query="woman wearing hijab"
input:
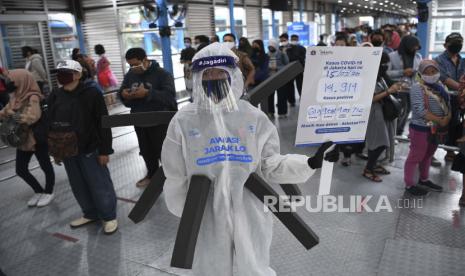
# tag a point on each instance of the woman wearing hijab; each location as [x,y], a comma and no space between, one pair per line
[403,66]
[379,130]
[428,127]
[24,106]
[244,46]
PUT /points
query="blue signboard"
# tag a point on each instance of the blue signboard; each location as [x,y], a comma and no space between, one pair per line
[305,31]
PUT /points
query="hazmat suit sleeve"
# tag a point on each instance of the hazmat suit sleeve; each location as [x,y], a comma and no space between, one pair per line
[282,169]
[174,167]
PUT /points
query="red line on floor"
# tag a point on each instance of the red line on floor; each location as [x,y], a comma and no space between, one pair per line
[127,200]
[64,237]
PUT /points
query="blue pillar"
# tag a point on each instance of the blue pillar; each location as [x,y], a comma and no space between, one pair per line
[80,35]
[301,10]
[231,17]
[423,32]
[165,40]
[273,25]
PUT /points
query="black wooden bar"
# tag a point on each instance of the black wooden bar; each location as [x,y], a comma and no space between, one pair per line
[293,222]
[148,197]
[188,231]
[140,119]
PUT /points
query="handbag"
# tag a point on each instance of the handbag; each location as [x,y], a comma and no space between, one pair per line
[13,133]
[62,144]
[391,108]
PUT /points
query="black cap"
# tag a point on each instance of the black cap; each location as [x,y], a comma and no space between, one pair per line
[454,36]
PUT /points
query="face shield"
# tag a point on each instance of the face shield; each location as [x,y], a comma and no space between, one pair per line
[217,82]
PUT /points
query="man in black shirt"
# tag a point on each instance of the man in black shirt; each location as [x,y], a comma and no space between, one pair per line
[186,59]
[148,87]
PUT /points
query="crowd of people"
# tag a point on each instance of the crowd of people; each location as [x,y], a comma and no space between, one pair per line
[427,94]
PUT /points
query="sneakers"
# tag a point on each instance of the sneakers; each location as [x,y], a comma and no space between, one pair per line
[435,162]
[34,200]
[80,222]
[416,191]
[110,227]
[144,182]
[430,185]
[45,199]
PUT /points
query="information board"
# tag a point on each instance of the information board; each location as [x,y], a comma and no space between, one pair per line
[337,93]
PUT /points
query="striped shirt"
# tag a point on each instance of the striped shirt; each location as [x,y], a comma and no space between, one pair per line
[417,103]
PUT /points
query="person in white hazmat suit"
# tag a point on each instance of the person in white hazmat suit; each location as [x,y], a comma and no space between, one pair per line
[226,139]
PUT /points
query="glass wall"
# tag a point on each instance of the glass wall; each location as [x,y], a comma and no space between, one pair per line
[136,32]
[222,21]
[447,16]
[64,35]
[268,26]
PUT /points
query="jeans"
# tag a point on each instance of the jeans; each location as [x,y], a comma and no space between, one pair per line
[150,144]
[22,162]
[420,154]
[92,186]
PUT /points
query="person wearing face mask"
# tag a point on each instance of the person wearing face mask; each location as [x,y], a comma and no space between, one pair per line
[380,132]
[431,113]
[148,87]
[277,60]
[245,64]
[452,67]
[77,139]
[260,60]
[403,67]
[4,98]
[200,41]
[297,52]
[226,139]
[24,107]
[186,59]
[377,39]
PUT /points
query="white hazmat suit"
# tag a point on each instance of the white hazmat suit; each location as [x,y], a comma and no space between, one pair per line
[226,140]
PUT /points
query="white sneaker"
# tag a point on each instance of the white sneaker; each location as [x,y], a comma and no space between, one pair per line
[45,199]
[110,227]
[80,222]
[34,200]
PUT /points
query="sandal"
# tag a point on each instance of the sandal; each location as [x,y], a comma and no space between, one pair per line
[462,202]
[381,170]
[371,176]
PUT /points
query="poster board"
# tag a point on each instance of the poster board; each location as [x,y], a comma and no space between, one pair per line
[337,93]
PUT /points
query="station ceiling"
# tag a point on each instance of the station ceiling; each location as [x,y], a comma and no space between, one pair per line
[393,7]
